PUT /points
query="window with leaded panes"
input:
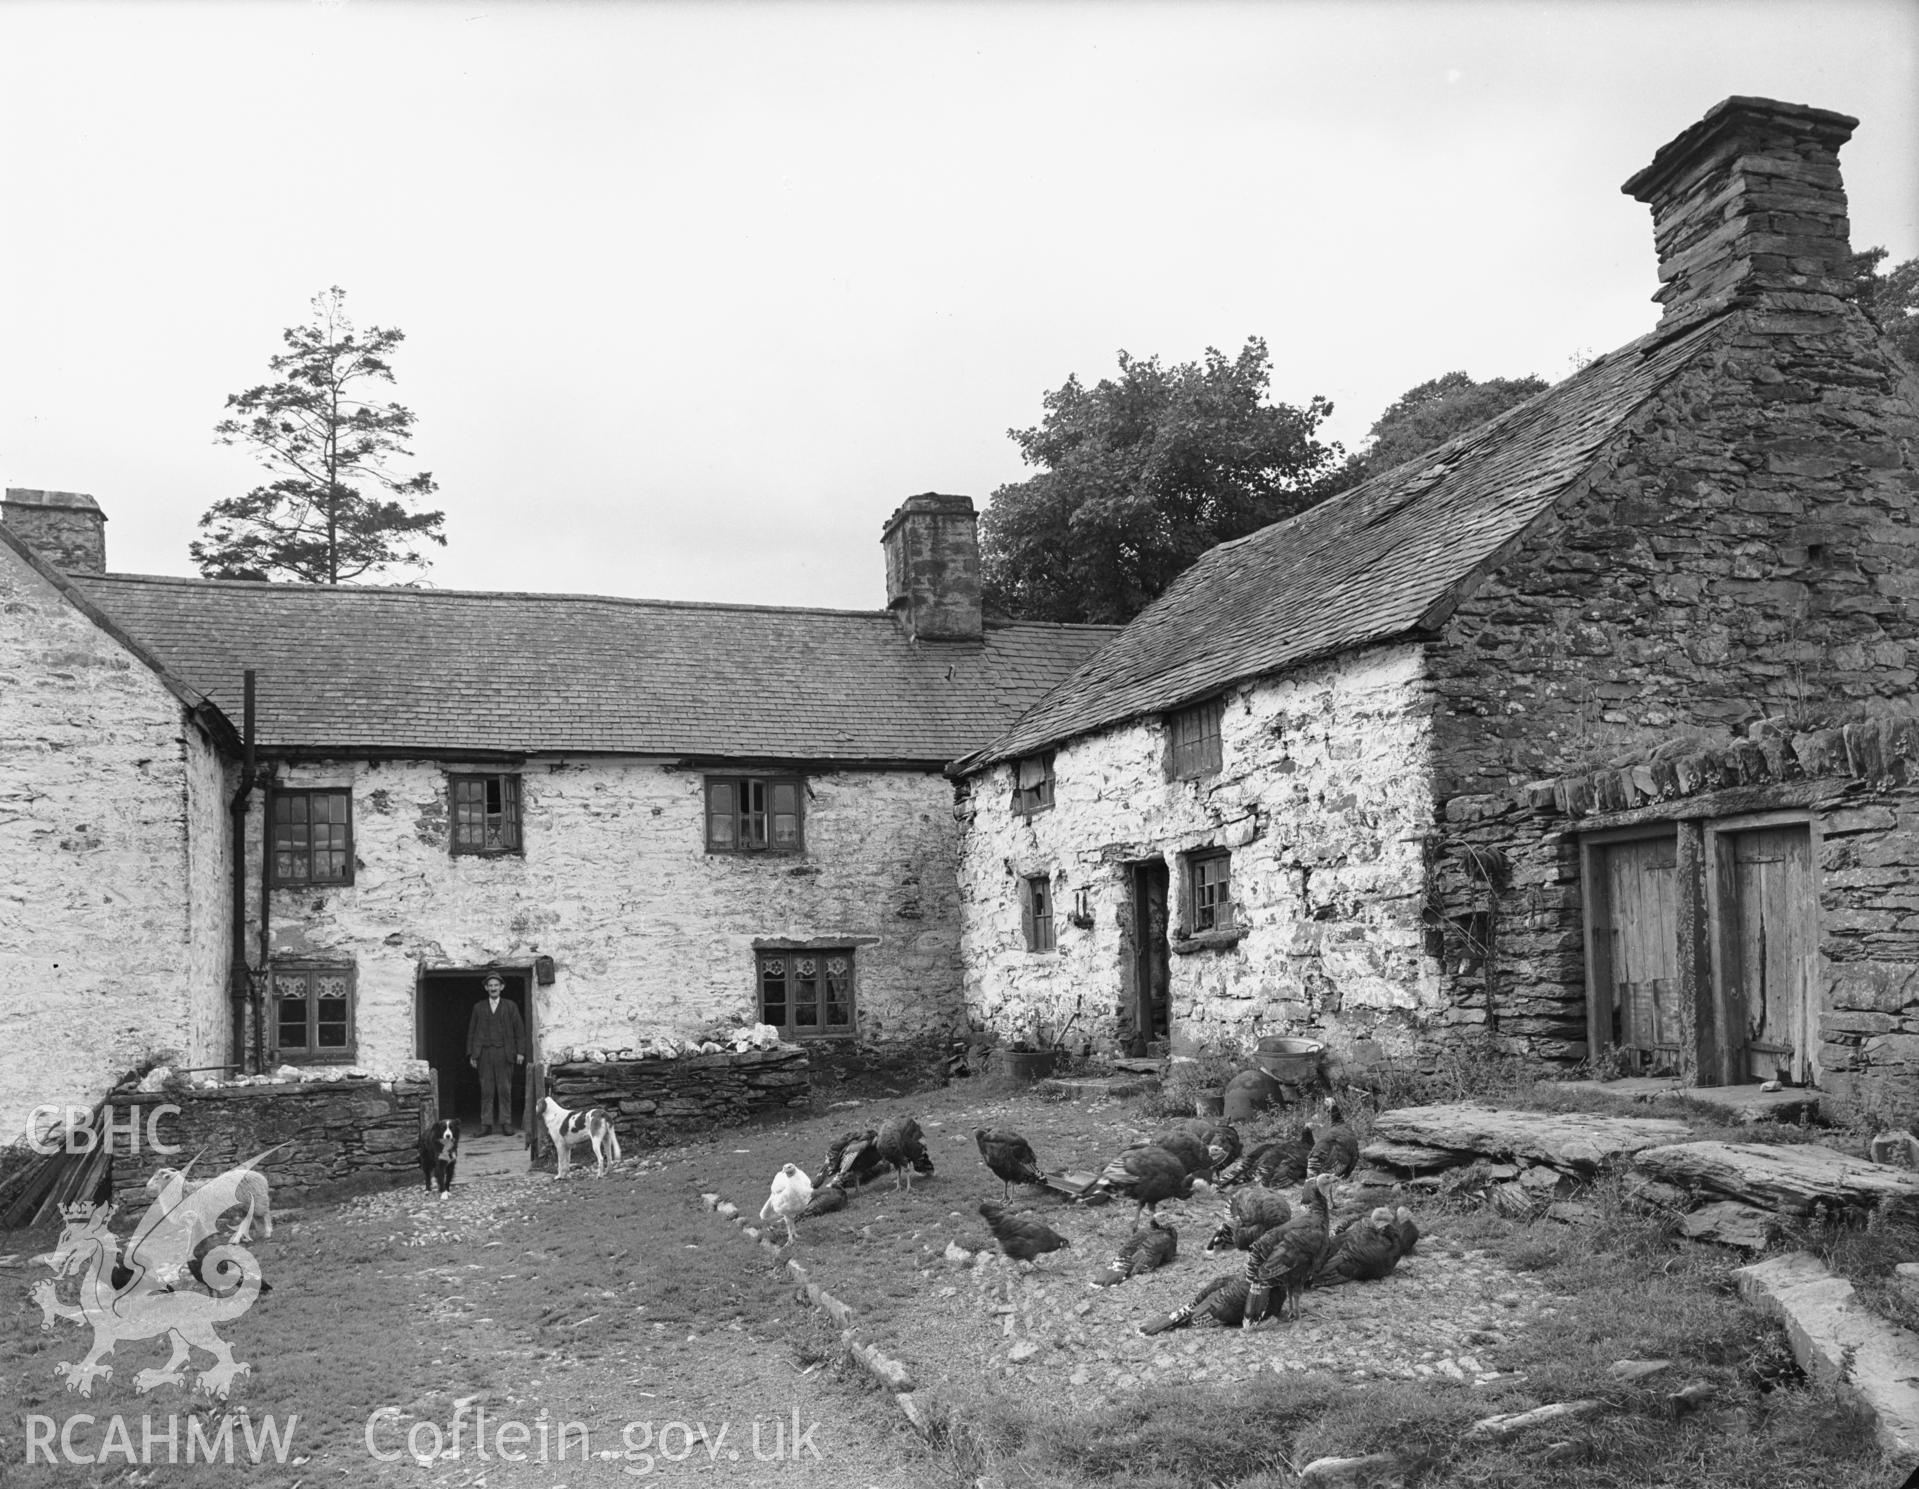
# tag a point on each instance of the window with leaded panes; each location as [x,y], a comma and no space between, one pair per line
[312,1012]
[807,994]
[1209,891]
[312,837]
[486,813]
[1193,740]
[1036,912]
[755,814]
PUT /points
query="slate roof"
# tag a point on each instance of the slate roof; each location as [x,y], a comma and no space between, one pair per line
[374,670]
[1384,560]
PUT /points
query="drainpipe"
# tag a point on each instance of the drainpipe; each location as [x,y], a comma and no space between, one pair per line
[237,980]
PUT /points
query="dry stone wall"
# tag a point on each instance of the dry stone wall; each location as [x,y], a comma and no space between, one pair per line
[109,816]
[651,936]
[1322,801]
[653,1101]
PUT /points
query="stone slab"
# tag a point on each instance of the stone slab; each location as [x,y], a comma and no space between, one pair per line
[1575,1142]
[1789,1179]
[1097,1087]
[1836,1340]
[1736,1103]
[1731,1224]
[1411,1157]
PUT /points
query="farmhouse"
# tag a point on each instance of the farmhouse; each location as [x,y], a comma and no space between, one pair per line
[646,816]
[1589,733]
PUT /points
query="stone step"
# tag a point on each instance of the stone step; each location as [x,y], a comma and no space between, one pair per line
[1574,1142]
[1096,1087]
[1787,1178]
[1735,1103]
[1837,1341]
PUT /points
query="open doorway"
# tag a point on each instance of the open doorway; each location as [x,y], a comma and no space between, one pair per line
[1151,1013]
[446,1000]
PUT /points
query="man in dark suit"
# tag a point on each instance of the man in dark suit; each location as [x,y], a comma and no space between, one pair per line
[495,1043]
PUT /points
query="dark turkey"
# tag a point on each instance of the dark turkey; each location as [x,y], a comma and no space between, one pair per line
[902,1148]
[1249,1215]
[1225,1300]
[1009,1156]
[1276,1165]
[851,1161]
[1219,1138]
[1405,1231]
[1189,1150]
[1337,1150]
[1146,1176]
[1141,1252]
[1364,1252]
[1283,1260]
[1020,1238]
[826,1199]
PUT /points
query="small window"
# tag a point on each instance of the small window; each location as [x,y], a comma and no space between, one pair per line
[1036,912]
[1033,785]
[1209,891]
[312,1012]
[807,994]
[1193,734]
[755,814]
[486,814]
[312,838]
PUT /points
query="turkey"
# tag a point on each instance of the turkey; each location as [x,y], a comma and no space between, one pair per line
[1249,1215]
[1405,1231]
[851,1161]
[1022,1239]
[1275,1165]
[1364,1252]
[902,1148]
[1141,1252]
[1145,1175]
[792,1193]
[1337,1150]
[1219,1138]
[1009,1156]
[1189,1150]
[1225,1300]
[825,1201]
[1285,1259]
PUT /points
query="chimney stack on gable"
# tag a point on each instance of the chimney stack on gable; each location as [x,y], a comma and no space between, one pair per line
[66,528]
[1747,204]
[932,568]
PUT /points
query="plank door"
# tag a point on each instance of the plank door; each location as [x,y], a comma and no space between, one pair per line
[1769,950]
[1641,967]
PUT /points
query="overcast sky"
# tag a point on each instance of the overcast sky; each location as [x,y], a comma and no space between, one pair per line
[694,295]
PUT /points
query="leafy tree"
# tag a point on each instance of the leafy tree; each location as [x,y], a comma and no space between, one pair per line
[1891,299]
[1139,476]
[336,508]
[1432,413]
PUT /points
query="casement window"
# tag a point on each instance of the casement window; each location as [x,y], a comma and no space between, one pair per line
[1193,740]
[310,1012]
[1033,785]
[1209,891]
[486,813]
[1036,912]
[755,814]
[312,838]
[807,994]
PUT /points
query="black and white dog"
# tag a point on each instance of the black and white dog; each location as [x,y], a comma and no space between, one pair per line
[570,1129]
[439,1152]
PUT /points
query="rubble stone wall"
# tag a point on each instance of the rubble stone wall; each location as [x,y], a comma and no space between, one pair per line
[655,1101]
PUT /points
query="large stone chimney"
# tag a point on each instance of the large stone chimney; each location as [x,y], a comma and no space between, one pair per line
[1747,204]
[932,568]
[66,528]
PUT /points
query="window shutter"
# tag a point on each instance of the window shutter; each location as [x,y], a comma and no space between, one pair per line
[1026,911]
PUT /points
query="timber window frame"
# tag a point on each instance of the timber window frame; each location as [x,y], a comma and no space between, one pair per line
[1192,740]
[1208,879]
[310,836]
[755,813]
[807,992]
[318,1002]
[484,814]
[1036,918]
[1033,785]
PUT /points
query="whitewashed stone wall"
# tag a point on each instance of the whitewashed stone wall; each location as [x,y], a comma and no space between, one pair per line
[650,934]
[110,944]
[1323,798]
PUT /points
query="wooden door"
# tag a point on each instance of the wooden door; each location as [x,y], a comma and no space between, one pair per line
[1152,971]
[1768,916]
[1639,922]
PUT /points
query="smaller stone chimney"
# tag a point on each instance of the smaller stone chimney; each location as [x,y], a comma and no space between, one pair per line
[66,528]
[932,568]
[1747,204]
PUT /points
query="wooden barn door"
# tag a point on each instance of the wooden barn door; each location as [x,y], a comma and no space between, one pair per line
[1633,924]
[1766,908]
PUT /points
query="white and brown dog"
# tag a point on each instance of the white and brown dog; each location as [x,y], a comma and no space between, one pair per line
[571,1129]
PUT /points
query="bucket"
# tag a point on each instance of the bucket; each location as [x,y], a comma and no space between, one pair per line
[1292,1061]
[1023,1067]
[1248,1094]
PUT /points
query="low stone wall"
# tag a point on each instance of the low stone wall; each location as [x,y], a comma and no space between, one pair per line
[339,1135]
[657,1101]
